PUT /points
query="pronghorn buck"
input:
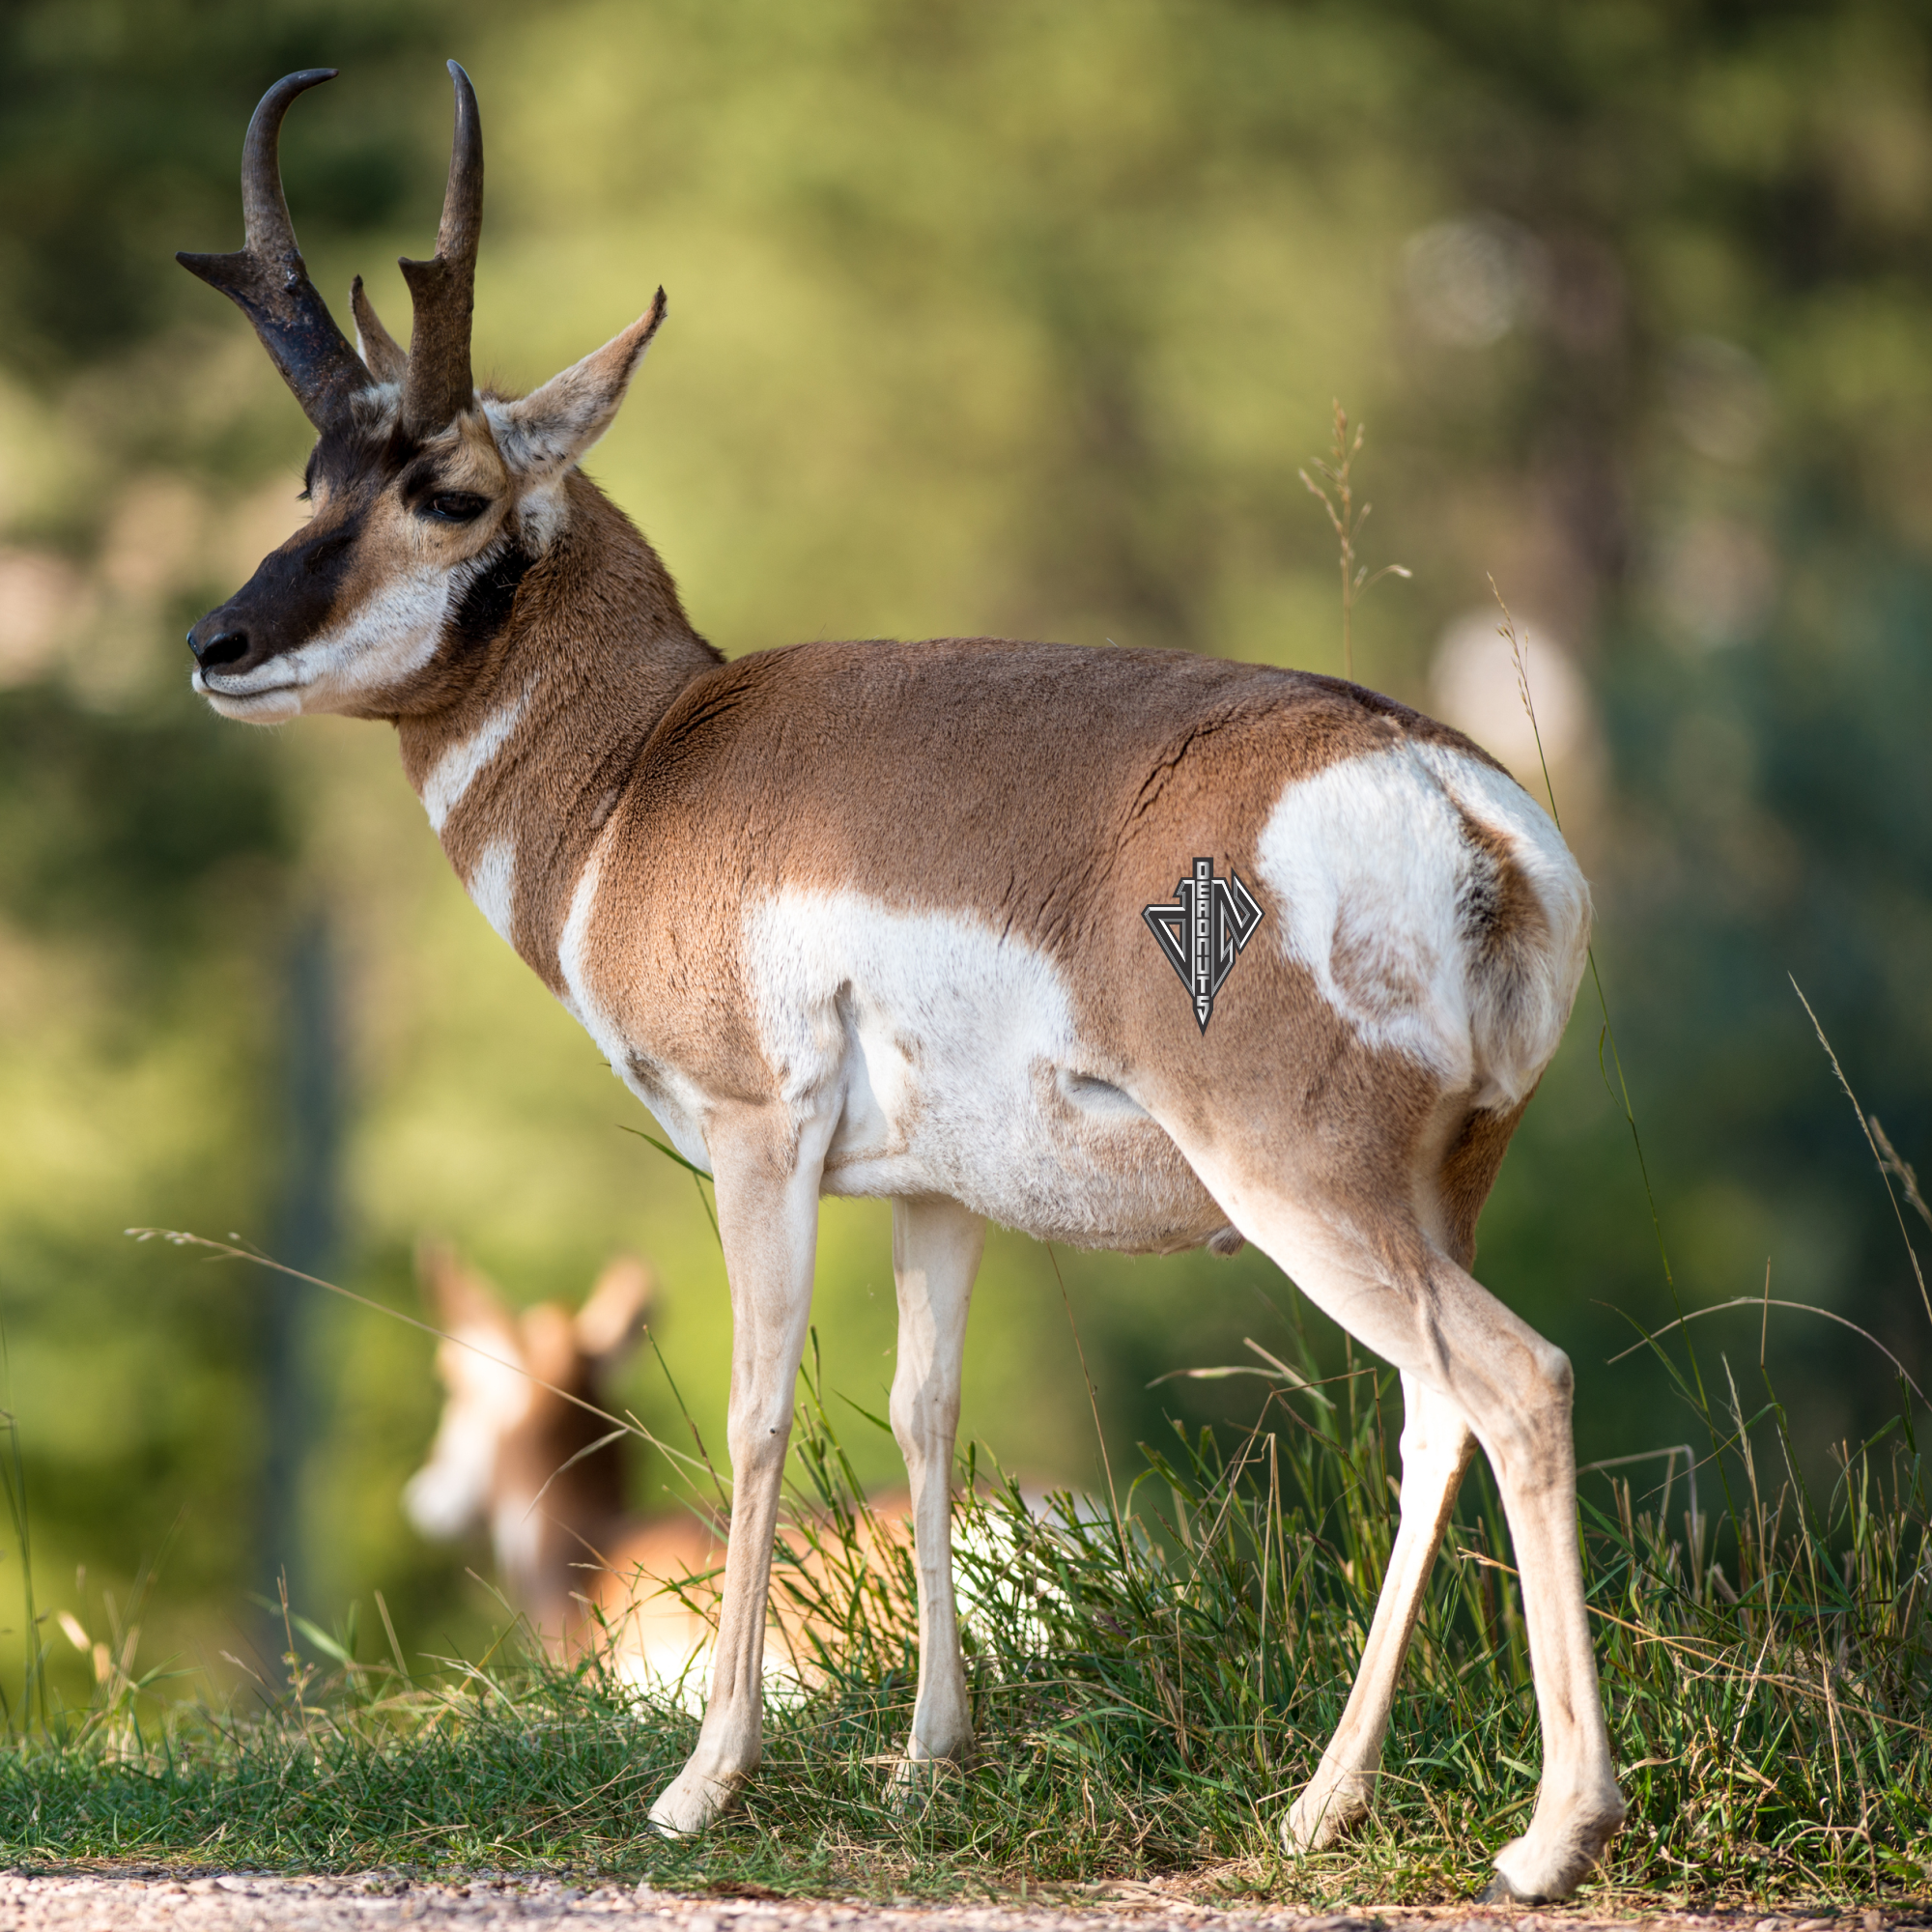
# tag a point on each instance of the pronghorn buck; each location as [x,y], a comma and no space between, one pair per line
[902,920]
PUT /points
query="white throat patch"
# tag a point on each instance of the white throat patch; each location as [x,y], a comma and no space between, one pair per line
[493,886]
[453,774]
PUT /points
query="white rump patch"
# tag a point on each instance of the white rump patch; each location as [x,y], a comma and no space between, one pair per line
[1367,865]
[453,774]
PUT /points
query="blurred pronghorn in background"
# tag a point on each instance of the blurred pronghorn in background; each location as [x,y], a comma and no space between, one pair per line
[547,1475]
[531,1445]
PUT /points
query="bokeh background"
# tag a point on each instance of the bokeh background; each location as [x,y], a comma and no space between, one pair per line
[985,317]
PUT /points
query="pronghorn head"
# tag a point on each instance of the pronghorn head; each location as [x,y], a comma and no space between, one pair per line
[507,1435]
[431,497]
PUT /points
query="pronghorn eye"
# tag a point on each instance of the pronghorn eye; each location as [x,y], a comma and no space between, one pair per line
[455,506]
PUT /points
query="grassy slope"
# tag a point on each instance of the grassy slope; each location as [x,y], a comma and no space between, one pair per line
[1151,1684]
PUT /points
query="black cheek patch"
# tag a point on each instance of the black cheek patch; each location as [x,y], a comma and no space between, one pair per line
[488,600]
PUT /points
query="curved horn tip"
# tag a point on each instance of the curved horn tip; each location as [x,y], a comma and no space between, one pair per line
[466,94]
[438,382]
[469,115]
[265,209]
[291,84]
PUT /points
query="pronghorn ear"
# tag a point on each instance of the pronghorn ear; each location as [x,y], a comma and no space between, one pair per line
[461,1297]
[384,357]
[547,1343]
[547,430]
[612,1319]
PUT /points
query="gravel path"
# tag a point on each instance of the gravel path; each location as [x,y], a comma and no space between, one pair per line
[236,1902]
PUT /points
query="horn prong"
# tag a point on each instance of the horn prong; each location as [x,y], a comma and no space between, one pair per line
[387,358]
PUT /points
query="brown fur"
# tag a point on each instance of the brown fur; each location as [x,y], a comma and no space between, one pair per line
[598,625]
[1469,1170]
[1124,764]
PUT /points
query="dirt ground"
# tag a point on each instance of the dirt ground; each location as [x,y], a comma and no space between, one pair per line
[128,1900]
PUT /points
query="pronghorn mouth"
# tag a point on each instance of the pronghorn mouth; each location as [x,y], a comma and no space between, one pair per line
[242,694]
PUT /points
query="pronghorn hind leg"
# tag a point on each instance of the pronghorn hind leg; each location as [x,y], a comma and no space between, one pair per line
[936,1248]
[767,1176]
[1435,1449]
[1369,1267]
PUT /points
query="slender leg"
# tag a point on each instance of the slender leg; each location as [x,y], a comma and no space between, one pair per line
[936,1247]
[767,1175]
[1435,1449]
[1384,1281]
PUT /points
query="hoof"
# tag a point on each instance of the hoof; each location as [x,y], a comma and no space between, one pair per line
[1553,1862]
[1500,1891]
[913,1781]
[689,1804]
[1324,1811]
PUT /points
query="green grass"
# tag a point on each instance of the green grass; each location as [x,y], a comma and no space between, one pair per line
[1151,1686]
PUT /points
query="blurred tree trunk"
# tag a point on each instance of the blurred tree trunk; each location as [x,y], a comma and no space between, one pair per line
[307,1235]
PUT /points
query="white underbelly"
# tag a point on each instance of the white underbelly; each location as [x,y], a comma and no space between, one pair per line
[953,1053]
[1053,1153]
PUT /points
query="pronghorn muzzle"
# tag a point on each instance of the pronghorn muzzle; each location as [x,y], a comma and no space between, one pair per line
[285,603]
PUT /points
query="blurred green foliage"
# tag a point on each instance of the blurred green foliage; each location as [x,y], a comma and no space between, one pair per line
[984,318]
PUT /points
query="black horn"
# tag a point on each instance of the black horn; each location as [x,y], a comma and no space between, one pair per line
[268,281]
[438,386]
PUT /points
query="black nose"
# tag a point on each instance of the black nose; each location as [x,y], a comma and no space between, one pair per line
[223,648]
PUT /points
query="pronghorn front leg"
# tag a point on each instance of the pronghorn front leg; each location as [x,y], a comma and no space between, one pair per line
[1435,1449]
[936,1246]
[766,1165]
